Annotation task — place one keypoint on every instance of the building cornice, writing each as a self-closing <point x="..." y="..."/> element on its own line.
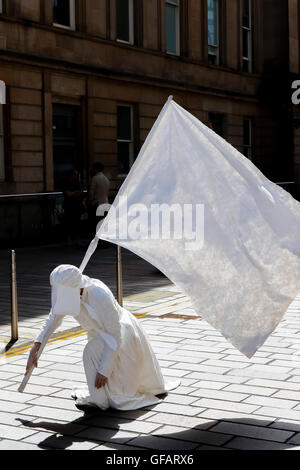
<point x="60" y="66"/>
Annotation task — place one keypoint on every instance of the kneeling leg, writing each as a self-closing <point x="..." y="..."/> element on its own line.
<point x="91" y="361"/>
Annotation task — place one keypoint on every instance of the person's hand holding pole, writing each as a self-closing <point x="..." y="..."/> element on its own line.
<point x="33" y="358"/>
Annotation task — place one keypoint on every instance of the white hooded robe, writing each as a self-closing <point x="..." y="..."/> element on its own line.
<point x="117" y="346"/>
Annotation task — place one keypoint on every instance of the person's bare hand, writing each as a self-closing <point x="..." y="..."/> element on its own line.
<point x="33" y="358"/>
<point x="100" y="381"/>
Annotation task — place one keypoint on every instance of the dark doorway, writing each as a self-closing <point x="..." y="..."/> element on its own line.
<point x="67" y="152"/>
<point x="217" y="123"/>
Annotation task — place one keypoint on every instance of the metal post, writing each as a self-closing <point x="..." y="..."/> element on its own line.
<point x="14" y="300"/>
<point x="119" y="275"/>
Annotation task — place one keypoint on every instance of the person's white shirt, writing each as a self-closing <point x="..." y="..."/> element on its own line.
<point x="98" y="193"/>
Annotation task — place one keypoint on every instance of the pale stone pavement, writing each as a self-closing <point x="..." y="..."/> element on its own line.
<point x="225" y="401"/>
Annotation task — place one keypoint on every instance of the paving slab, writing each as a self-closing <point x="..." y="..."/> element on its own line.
<point x="253" y="431"/>
<point x="6" y="444"/>
<point x="243" y="443"/>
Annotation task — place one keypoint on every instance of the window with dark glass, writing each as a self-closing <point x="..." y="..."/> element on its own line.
<point x="248" y="138"/>
<point x="64" y="13"/>
<point x="125" y="20"/>
<point x="2" y="167"/>
<point x="246" y="36"/>
<point x="125" y="139"/>
<point x="216" y="121"/>
<point x="172" y="27"/>
<point x="213" y="26"/>
<point x="66" y="143"/>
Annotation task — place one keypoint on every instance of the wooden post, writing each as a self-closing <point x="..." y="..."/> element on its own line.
<point x="14" y="299"/>
<point x="119" y="275"/>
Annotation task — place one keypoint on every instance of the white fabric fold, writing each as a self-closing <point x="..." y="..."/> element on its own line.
<point x="108" y="339"/>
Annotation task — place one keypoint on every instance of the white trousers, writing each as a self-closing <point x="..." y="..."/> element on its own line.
<point x="91" y="361"/>
<point x="126" y="389"/>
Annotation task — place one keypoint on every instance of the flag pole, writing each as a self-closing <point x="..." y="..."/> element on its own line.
<point x="14" y="299"/>
<point x="119" y="276"/>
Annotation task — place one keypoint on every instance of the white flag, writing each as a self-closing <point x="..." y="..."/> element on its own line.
<point x="229" y="238"/>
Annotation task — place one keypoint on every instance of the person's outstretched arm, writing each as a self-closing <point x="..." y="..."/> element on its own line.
<point x="50" y="325"/>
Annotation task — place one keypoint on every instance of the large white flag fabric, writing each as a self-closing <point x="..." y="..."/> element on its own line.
<point x="242" y="277"/>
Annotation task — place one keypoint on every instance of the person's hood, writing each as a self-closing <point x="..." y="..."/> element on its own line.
<point x="66" y="282"/>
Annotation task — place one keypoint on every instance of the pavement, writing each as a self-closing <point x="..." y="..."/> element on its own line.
<point x="225" y="401"/>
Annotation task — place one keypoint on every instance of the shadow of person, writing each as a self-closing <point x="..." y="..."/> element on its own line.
<point x="65" y="435"/>
<point x="65" y="429"/>
<point x="113" y="428"/>
<point x="61" y="442"/>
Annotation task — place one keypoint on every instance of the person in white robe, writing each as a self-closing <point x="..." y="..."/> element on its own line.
<point x="121" y="369"/>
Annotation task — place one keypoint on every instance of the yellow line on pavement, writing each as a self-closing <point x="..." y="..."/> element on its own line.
<point x="161" y="308"/>
<point x="141" y="316"/>
<point x="75" y="334"/>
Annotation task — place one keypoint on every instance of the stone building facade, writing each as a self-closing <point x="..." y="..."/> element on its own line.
<point x="86" y="79"/>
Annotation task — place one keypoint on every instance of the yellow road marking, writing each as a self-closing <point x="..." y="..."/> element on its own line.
<point x="161" y="308"/>
<point x="141" y="316"/>
<point x="50" y="340"/>
<point x="75" y="334"/>
<point x="14" y="352"/>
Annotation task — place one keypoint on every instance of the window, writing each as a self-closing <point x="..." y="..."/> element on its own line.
<point x="125" y="139"/>
<point x="213" y="26"/>
<point x="217" y="123"/>
<point x="248" y="138"/>
<point x="247" y="36"/>
<point x="172" y="27"/>
<point x="2" y="168"/>
<point x="125" y="21"/>
<point x="67" y="150"/>
<point x="64" y="13"/>
<point x="1" y="6"/>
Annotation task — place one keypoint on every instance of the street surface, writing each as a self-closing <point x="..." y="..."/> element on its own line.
<point x="225" y="401"/>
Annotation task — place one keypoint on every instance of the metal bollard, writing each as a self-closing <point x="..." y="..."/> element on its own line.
<point x="119" y="275"/>
<point x="14" y="299"/>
